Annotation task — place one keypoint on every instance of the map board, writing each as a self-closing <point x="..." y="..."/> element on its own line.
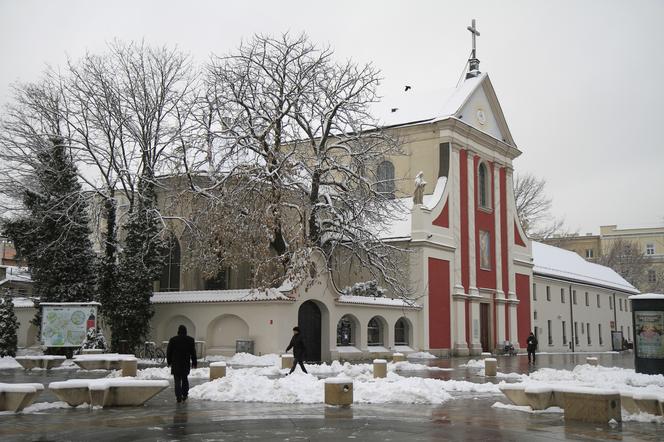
<point x="65" y="325"/>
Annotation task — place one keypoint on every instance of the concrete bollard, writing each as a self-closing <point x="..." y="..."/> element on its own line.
<point x="398" y="357"/>
<point x="339" y="391"/>
<point x="286" y="361"/>
<point x="129" y="367"/>
<point x="217" y="370"/>
<point x="591" y="361"/>
<point x="490" y="367"/>
<point x="485" y="355"/>
<point x="379" y="368"/>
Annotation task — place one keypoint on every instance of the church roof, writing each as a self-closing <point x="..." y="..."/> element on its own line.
<point x="563" y="264"/>
<point x="421" y="106"/>
<point x="201" y="296"/>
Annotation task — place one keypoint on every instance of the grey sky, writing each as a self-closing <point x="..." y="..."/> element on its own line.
<point x="579" y="81"/>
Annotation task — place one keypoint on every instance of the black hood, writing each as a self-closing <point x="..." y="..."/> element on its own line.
<point x="182" y="330"/>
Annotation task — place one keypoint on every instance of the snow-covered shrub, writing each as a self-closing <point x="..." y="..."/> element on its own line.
<point x="366" y="288"/>
<point x="8" y="326"/>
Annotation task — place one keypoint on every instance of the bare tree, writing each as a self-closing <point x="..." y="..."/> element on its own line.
<point x="289" y="136"/>
<point x="533" y="207"/>
<point x="626" y="258"/>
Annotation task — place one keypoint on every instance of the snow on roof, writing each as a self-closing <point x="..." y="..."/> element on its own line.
<point x="371" y="300"/>
<point x="23" y="302"/>
<point x="421" y="106"/>
<point x="560" y="263"/>
<point x="244" y="295"/>
<point x="401" y="226"/>
<point x="16" y="274"/>
<point x="648" y="296"/>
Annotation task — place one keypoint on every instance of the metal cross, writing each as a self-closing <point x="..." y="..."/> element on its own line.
<point x="473" y="30"/>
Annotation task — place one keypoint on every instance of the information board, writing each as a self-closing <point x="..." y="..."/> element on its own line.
<point x="66" y="325"/>
<point x="649" y="333"/>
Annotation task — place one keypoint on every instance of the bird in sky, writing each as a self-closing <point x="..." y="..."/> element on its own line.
<point x="407" y="88"/>
<point x="394" y="109"/>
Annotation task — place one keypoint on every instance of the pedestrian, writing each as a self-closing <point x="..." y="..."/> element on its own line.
<point x="180" y="351"/>
<point x="532" y="346"/>
<point x="297" y="344"/>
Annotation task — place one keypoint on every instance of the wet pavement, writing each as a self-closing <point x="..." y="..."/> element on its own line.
<point x="468" y="417"/>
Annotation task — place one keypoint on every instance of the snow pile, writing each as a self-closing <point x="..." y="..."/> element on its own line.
<point x="642" y="417"/>
<point x="8" y="362"/>
<point x="526" y="408"/>
<point x="248" y="359"/>
<point x="473" y="363"/>
<point x="421" y="355"/>
<point x="241" y="386"/>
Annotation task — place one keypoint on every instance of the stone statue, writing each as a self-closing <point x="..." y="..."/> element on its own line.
<point x="418" y="195"/>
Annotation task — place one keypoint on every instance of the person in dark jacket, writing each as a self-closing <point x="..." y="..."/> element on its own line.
<point x="297" y="344"/>
<point x="532" y="346"/>
<point x="180" y="351"/>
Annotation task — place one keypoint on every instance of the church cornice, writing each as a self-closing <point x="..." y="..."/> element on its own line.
<point x="462" y="132"/>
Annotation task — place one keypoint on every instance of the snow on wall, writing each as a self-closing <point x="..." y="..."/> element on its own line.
<point x="244" y="295"/>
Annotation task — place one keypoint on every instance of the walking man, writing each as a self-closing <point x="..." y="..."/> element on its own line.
<point x="532" y="346"/>
<point x="297" y="344"/>
<point x="181" y="350"/>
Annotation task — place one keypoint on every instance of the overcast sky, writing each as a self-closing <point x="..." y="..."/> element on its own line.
<point x="580" y="82"/>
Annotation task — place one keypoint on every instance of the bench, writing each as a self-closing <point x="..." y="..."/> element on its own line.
<point x="44" y="362"/>
<point x="591" y="405"/>
<point x="108" y="361"/>
<point x="515" y="393"/>
<point x="648" y="403"/>
<point x="15" y="397"/>
<point x="107" y="392"/>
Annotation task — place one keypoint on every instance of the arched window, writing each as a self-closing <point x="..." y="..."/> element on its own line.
<point x="385" y="176"/>
<point x="346" y="331"/>
<point x="401" y="332"/>
<point x="170" y="273"/>
<point x="375" y="332"/>
<point x="484" y="189"/>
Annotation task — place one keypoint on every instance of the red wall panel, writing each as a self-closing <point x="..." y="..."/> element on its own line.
<point x="523" y="309"/>
<point x="439" y="304"/>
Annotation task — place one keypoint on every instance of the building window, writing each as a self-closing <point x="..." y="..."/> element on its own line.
<point x="564" y="333"/>
<point x="599" y="333"/>
<point x="598" y="306"/>
<point x="576" y="333"/>
<point x="583" y="328"/>
<point x="650" y="249"/>
<point x="548" y="328"/>
<point x="534" y="315"/>
<point x="219" y="282"/>
<point x="169" y="281"/>
<point x="620" y="303"/>
<point x="588" y="333"/>
<point x="652" y="276"/>
<point x="589" y="253"/>
<point x="534" y="292"/>
<point x="574" y="297"/>
<point x="485" y="250"/>
<point x="484" y="191"/>
<point x="562" y="296"/>
<point x="629" y="334"/>
<point x="548" y="293"/>
<point x="385" y="183"/>
<point x="610" y="302"/>
<point x="401" y="332"/>
<point x="346" y="331"/>
<point x="444" y="163"/>
<point x="374" y="332"/>
<point x="587" y="300"/>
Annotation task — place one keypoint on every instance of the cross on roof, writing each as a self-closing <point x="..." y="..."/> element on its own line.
<point x="473" y="30"/>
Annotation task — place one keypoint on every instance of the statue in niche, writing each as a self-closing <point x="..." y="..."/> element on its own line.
<point x="418" y="194"/>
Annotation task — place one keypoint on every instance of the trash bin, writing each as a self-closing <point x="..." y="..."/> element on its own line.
<point x="244" y="346"/>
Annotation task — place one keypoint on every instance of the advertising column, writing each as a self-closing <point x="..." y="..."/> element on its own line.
<point x="648" y="322"/>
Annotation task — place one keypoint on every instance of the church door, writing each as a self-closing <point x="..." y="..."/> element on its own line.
<point x="309" y="321"/>
<point x="484" y="326"/>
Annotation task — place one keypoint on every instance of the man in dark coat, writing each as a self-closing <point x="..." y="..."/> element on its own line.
<point x="532" y="346"/>
<point x="181" y="349"/>
<point x="297" y="344"/>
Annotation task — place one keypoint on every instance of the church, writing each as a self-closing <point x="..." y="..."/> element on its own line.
<point x="479" y="281"/>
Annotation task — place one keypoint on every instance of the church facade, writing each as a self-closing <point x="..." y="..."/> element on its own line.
<point x="478" y="280"/>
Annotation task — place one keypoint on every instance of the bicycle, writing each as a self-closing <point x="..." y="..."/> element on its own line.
<point x="150" y="351"/>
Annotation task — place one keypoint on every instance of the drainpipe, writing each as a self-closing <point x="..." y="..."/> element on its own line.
<point x="615" y="313"/>
<point x="571" y="317"/>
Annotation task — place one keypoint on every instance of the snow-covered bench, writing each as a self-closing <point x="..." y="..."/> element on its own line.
<point x="108" y="361"/>
<point x="15" y="397"/>
<point x="516" y="393"/>
<point x="46" y="362"/>
<point x="107" y="392"/>
<point x="648" y="403"/>
<point x="591" y="404"/>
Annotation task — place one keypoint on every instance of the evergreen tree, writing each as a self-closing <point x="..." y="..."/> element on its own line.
<point x="8" y="326"/>
<point x="54" y="235"/>
<point x="140" y="265"/>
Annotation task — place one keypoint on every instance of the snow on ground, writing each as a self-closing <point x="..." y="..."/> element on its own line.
<point x="421" y="355"/>
<point x="245" y="386"/>
<point x="526" y="408"/>
<point x="8" y="362"/>
<point x="473" y="363"/>
<point x="642" y="417"/>
<point x="247" y="359"/>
